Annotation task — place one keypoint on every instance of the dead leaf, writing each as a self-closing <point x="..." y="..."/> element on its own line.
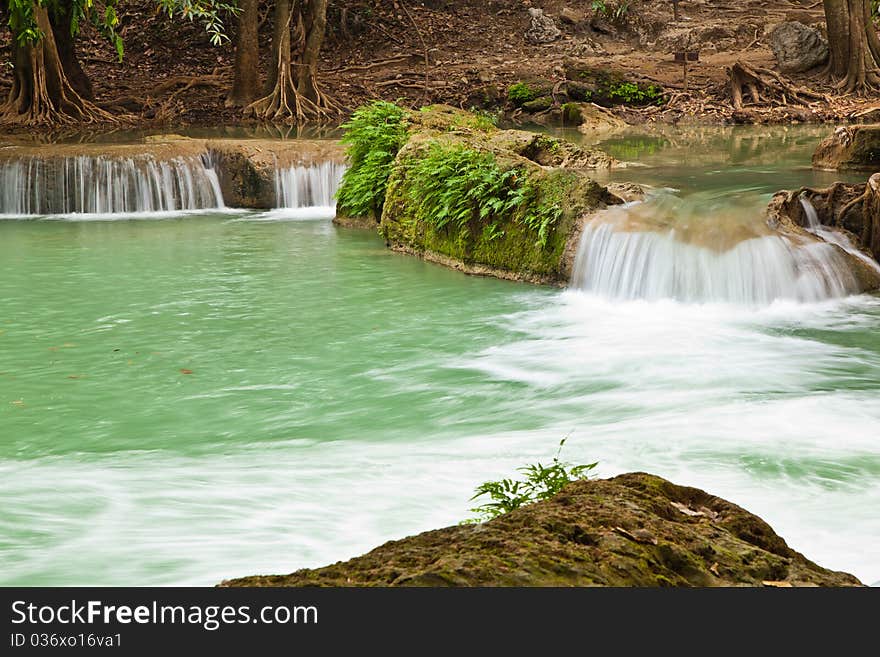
<point x="714" y="569"/>
<point x="183" y="370"/>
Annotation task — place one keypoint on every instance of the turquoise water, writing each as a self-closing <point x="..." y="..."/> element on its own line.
<point x="188" y="399"/>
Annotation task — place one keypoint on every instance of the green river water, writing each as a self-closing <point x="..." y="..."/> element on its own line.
<point x="190" y="398"/>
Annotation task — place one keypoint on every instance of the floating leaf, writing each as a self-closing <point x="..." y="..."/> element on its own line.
<point x="183" y="370"/>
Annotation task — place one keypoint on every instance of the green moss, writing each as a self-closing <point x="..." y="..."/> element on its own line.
<point x="521" y="93"/>
<point x="520" y="222"/>
<point x="538" y="105"/>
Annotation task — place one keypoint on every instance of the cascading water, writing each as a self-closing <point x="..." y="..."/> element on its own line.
<point x="833" y="236"/>
<point x="104" y="185"/>
<point x="312" y="186"/>
<point x="666" y="248"/>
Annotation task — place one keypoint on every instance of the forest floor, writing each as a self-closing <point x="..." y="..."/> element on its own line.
<point x="377" y="49"/>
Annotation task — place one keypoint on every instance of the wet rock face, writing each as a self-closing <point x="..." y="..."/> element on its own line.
<point x="632" y="530"/>
<point x="849" y="148"/>
<point x="798" y="47"/>
<point x="851" y="209"/>
<point x="542" y="28"/>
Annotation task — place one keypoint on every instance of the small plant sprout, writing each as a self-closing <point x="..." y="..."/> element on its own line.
<point x="540" y="482"/>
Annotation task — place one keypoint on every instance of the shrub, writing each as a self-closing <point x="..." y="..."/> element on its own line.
<point x="374" y="135"/>
<point x="540" y="483"/>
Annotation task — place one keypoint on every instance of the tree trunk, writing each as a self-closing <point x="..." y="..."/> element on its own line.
<point x="316" y="27"/>
<point x="246" y="81"/>
<point x="69" y="61"/>
<point x="280" y="40"/>
<point x="854" y="60"/>
<point x="292" y="94"/>
<point x="41" y="92"/>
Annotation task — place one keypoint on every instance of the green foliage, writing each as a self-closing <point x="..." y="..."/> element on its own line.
<point x="374" y="135"/>
<point x="540" y="482"/>
<point x="631" y="93"/>
<point x="520" y="93"/>
<point x="457" y="186"/>
<point x="209" y="12"/>
<point x="104" y="16"/>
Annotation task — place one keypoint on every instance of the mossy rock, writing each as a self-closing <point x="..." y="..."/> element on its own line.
<point x="500" y="246"/>
<point x="522" y="228"/>
<point x="633" y="530"/>
<point x="586" y="83"/>
<point x="538" y="105"/>
<point x="526" y="91"/>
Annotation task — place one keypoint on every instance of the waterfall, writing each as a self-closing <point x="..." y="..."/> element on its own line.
<point x="620" y="256"/>
<point x="811" y="214"/>
<point x="833" y="236"/>
<point x="103" y="185"/>
<point x="312" y="186"/>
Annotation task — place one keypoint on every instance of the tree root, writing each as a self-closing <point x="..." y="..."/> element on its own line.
<point x="765" y="86"/>
<point x="185" y="82"/>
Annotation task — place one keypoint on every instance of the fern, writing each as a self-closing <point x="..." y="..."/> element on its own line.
<point x="374" y="135"/>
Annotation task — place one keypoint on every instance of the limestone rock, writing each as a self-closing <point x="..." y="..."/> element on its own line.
<point x="542" y="28"/>
<point x="849" y="148"/>
<point x="798" y="47"/>
<point x="633" y="530"/>
<point x="851" y="209"/>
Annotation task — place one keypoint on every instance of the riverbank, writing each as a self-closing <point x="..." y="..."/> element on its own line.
<point x="476" y="51"/>
<point x="632" y="530"/>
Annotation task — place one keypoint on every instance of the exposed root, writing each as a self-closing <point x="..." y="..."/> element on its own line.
<point x="181" y="83"/>
<point x="765" y="86"/>
<point x="41" y="93"/>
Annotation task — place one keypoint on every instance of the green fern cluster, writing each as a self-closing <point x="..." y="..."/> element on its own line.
<point x="456" y="186"/>
<point x="374" y="135"/>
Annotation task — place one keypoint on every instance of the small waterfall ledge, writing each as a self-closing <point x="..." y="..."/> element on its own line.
<point x="169" y="175"/>
<point x="106" y="185"/>
<point x="621" y="256"/>
<point x="308" y="186"/>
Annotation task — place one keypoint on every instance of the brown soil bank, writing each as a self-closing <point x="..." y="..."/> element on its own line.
<point x="476" y="49"/>
<point x="633" y="530"/>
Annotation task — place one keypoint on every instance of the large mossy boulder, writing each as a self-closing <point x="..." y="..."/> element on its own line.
<point x="849" y="148"/>
<point x="633" y="530"/>
<point x="449" y="186"/>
